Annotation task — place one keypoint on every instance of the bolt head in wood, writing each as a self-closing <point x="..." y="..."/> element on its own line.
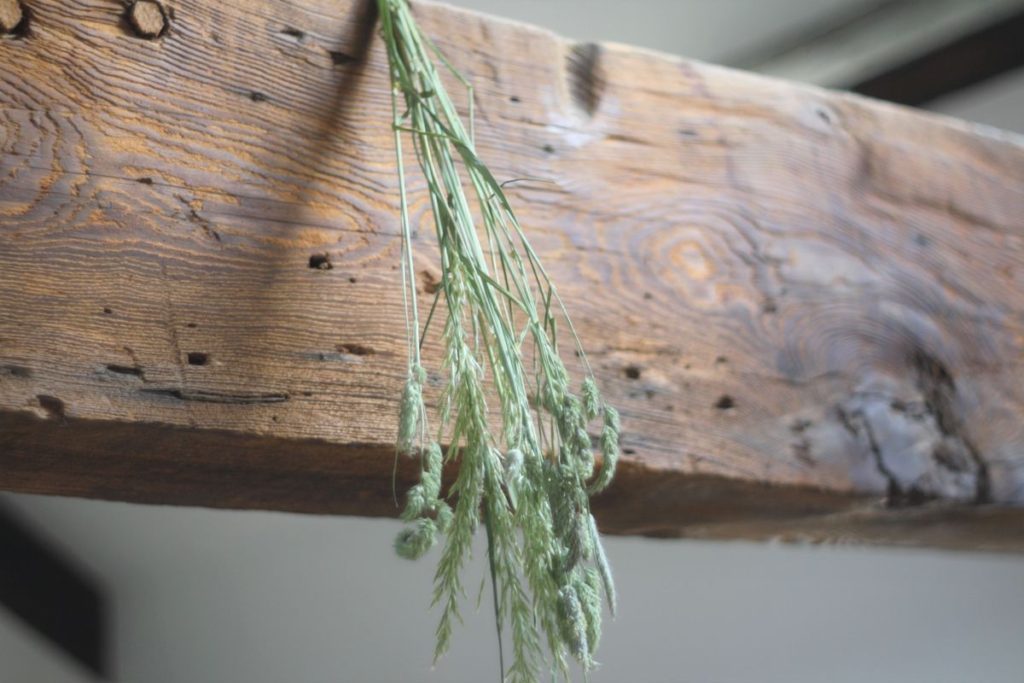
<point x="11" y="16"/>
<point x="147" y="19"/>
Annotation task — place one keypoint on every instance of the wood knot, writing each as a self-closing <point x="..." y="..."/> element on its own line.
<point x="13" y="17"/>
<point x="147" y="19"/>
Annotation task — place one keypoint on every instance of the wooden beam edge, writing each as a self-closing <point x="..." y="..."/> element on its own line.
<point x="161" y="464"/>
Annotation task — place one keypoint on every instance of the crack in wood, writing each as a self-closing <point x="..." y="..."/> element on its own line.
<point x="912" y="444"/>
<point x="218" y="396"/>
<point x="116" y="369"/>
<point x="939" y="392"/>
<point x="586" y="83"/>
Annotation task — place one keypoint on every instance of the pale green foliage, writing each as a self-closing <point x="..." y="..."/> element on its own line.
<point x="526" y="482"/>
<point x="610" y="449"/>
<point x="573" y="622"/>
<point x="588" y="588"/>
<point x="413" y="542"/>
<point x="591" y="398"/>
<point x="411" y="410"/>
<point x="603" y="568"/>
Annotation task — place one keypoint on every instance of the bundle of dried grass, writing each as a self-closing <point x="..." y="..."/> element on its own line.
<point x="529" y="481"/>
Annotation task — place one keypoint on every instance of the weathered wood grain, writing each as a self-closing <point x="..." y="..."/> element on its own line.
<point x="808" y="306"/>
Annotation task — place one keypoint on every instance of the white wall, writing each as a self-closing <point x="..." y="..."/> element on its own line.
<point x="25" y="657"/>
<point x="256" y="597"/>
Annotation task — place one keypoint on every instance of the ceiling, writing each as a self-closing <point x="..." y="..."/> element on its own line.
<point x="710" y="30"/>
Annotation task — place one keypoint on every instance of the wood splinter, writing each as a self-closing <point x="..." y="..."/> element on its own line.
<point x="147" y="19"/>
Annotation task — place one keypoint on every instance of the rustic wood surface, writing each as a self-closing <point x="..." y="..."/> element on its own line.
<point x="808" y="306"/>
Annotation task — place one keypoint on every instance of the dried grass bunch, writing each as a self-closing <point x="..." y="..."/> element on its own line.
<point x="528" y="481"/>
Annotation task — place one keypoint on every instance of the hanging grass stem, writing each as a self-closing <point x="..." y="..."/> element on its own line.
<point x="528" y="478"/>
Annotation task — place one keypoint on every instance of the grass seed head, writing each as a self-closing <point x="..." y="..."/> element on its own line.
<point x="414" y="541"/>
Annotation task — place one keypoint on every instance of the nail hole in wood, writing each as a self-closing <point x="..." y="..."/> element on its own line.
<point x="429" y="283"/>
<point x="339" y="58"/>
<point x="198" y="358"/>
<point x="321" y="262"/>
<point x="147" y="19"/>
<point x="355" y="349"/>
<point x="53" y="406"/>
<point x="17" y="371"/>
<point x="725" y="402"/>
<point x="631" y="372"/>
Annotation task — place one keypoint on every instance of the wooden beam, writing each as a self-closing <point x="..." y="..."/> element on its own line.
<point x="970" y="59"/>
<point x="867" y="39"/>
<point x="806" y="304"/>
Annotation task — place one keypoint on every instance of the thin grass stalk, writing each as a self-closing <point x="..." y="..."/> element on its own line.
<point x="529" y="479"/>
